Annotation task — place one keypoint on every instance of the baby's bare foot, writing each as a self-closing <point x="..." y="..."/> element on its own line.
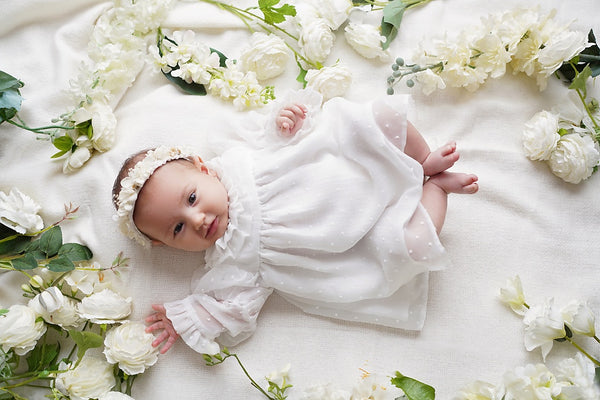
<point x="441" y="159"/>
<point x="452" y="182"/>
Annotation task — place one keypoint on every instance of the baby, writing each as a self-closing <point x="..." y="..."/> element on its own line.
<point x="342" y="220"/>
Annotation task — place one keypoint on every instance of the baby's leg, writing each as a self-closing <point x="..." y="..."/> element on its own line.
<point x="436" y="190"/>
<point x="433" y="162"/>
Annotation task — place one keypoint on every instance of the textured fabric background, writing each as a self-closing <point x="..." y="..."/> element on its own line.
<point x="523" y="220"/>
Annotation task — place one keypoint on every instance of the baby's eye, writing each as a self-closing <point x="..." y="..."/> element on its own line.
<point x="192" y="198"/>
<point x="178" y="228"/>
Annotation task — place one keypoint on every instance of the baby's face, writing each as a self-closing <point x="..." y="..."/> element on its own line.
<point x="183" y="205"/>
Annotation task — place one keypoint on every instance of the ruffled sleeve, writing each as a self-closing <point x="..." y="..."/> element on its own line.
<point x="225" y="306"/>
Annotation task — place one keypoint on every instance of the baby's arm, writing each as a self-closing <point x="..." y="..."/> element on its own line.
<point x="290" y="119"/>
<point x="159" y="320"/>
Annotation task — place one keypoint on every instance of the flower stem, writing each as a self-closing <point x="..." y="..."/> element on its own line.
<point x="41" y="129"/>
<point x="585" y="353"/>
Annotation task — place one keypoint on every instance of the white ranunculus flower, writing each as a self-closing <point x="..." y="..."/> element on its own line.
<point x="56" y="308"/>
<point x="19" y="212"/>
<point x="478" y="390"/>
<point x="316" y="39"/>
<point x="512" y="295"/>
<point x="532" y="382"/>
<point x="20" y="330"/>
<point x="579" y="372"/>
<point x="267" y="56"/>
<point x="366" y="40"/>
<point x="580" y="318"/>
<point x="115" y="396"/>
<point x="324" y="392"/>
<point x="540" y="135"/>
<point x="429" y="81"/>
<point x="574" y="158"/>
<point x="335" y="12"/>
<point x="130" y="346"/>
<point x="330" y="81"/>
<point x="105" y="307"/>
<point x="91" y="379"/>
<point x="543" y="324"/>
<point x="76" y="159"/>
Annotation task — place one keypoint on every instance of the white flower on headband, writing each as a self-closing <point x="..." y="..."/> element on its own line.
<point x="135" y="180"/>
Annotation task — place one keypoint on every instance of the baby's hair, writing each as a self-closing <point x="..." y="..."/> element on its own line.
<point x="128" y="164"/>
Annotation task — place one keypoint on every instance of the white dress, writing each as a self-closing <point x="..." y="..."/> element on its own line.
<point x="331" y="219"/>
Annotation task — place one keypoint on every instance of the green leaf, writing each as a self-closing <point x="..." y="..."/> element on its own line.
<point x="64" y="143"/>
<point x="195" y="89"/>
<point x="274" y="15"/>
<point x="51" y="241"/>
<point x="75" y="252"/>
<point x="42" y="357"/>
<point x="3" y="311"/>
<point x="61" y="264"/>
<point x="24" y="263"/>
<point x="390" y="23"/>
<point x="9" y="82"/>
<point x="10" y="103"/>
<point x="85" y="341"/>
<point x="14" y="246"/>
<point x="412" y="388"/>
<point x="222" y="57"/>
<point x="580" y="80"/>
<point x="597" y="376"/>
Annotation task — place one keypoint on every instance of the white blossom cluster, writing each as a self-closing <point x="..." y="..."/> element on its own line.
<point x="565" y="139"/>
<point x="70" y="301"/>
<point x="528" y="41"/>
<point x="571" y="379"/>
<point x="116" y="52"/>
<point x="19" y="212"/>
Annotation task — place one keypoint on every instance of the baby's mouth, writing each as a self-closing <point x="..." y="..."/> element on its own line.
<point x="212" y="228"/>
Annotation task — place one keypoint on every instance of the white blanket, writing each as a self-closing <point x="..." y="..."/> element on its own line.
<point x="523" y="221"/>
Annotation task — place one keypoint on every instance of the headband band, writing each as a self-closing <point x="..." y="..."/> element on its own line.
<point x="135" y="180"/>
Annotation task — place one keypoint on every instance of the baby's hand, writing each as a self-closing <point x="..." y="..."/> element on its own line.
<point x="159" y="320"/>
<point x="290" y="119"/>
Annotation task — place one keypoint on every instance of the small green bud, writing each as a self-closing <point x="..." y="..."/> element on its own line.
<point x="390" y="80"/>
<point x="390" y="90"/>
<point x="395" y="67"/>
<point x="410" y="83"/>
<point x="416" y="68"/>
<point x="26" y="288"/>
<point x="397" y="73"/>
<point x="36" y="281"/>
<point x="399" y="61"/>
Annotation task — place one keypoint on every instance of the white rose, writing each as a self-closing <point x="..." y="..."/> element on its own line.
<point x="579" y="372"/>
<point x="130" y="346"/>
<point x="479" y="390"/>
<point x="76" y="159"/>
<point x="543" y="324"/>
<point x="92" y="379"/>
<point x="20" y="330"/>
<point x="267" y="56"/>
<point x="105" y="307"/>
<point x="560" y="48"/>
<point x="580" y="318"/>
<point x="366" y="40"/>
<point x="19" y="212"/>
<point x="316" y="40"/>
<point x="55" y="308"/>
<point x="541" y="135"/>
<point x="330" y="81"/>
<point x="574" y="158"/>
<point x="115" y="396"/>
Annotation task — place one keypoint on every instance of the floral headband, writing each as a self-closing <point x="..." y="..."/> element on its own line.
<point x="135" y="180"/>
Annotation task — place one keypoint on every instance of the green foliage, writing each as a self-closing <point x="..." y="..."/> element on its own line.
<point x="412" y="388"/>
<point x="10" y="96"/>
<point x="275" y="15"/>
<point x="43" y="357"/>
<point x="390" y="23"/>
<point x="588" y="58"/>
<point x="85" y="340"/>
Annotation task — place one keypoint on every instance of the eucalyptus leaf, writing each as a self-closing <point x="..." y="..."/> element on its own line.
<point x="85" y="340"/>
<point x="390" y="23"/>
<point x="24" y="263"/>
<point x="412" y="388"/>
<point x="9" y="82"/>
<point x="51" y="241"/>
<point x="61" y="264"/>
<point x="75" y="252"/>
<point x="10" y="103"/>
<point x="14" y="246"/>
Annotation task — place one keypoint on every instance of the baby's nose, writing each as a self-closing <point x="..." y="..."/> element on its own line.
<point x="198" y="220"/>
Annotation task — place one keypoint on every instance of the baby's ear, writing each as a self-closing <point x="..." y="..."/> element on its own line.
<point x="198" y="163"/>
